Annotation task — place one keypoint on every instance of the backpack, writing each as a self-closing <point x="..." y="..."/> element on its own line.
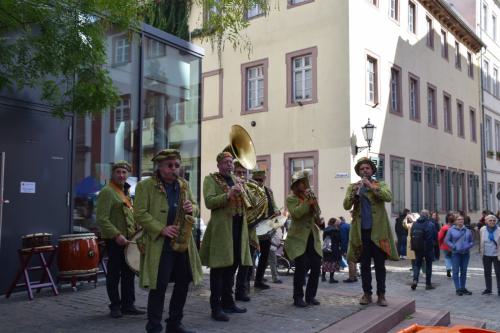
<point x="417" y="240"/>
<point x="327" y="244"/>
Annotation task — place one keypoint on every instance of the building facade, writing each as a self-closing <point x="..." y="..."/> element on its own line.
<point x="320" y="70"/>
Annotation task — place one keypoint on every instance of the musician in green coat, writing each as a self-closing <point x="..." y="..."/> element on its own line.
<point x="370" y="235"/>
<point x="303" y="242"/>
<point x="116" y="221"/>
<point x="164" y="207"/>
<point x="225" y="244"/>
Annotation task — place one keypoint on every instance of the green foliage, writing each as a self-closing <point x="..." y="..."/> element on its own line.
<point x="59" y="47"/>
<point x="169" y="15"/>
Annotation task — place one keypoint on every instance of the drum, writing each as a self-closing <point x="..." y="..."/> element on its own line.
<point x="133" y="254"/>
<point x="78" y="255"/>
<point x="266" y="227"/>
<point x="37" y="241"/>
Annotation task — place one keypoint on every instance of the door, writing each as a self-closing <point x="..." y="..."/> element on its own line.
<point x="35" y="165"/>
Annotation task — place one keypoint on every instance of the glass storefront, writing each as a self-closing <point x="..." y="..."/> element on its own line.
<point x="158" y="78"/>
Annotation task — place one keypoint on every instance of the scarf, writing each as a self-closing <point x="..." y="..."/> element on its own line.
<point x="491" y="232"/>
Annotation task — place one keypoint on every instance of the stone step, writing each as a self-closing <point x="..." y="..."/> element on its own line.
<point x="467" y="322"/>
<point x="424" y="317"/>
<point x="374" y="318"/>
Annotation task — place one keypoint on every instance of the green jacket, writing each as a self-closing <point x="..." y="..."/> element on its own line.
<point x="301" y="227"/>
<point x="217" y="245"/>
<point x="381" y="229"/>
<point x="112" y="215"/>
<point x="150" y="212"/>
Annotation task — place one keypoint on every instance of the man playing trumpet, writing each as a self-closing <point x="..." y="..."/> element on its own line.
<point x="303" y="243"/>
<point x="370" y="235"/>
<point x="225" y="244"/>
<point x="162" y="205"/>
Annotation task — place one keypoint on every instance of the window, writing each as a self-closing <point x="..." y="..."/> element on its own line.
<point x="486" y="75"/>
<point x="488" y="136"/>
<point x="497" y="135"/>
<point x="414" y="98"/>
<point x="121" y="54"/>
<point x="447" y="113"/>
<point x="495" y="82"/>
<point x="460" y="119"/>
<point x="155" y="48"/>
<point x="397" y="184"/>
<point x="429" y="188"/>
<point x="371" y="80"/>
<point x="452" y="190"/>
<point x="494" y="27"/>
<point x="254" y="11"/>
<point x="430" y="33"/>
<point x="461" y="191"/>
<point x="470" y="65"/>
<point x="395" y="91"/>
<point x="472" y="115"/>
<point x="293" y="3"/>
<point x="458" y="59"/>
<point x="416" y="187"/>
<point x="300" y="161"/>
<point x="412" y="17"/>
<point x="301" y="77"/>
<point x="491" y="196"/>
<point x="473" y="192"/>
<point x="380" y="164"/>
<point x="431" y="106"/>
<point x="120" y="114"/>
<point x="394" y="9"/>
<point x="444" y="44"/>
<point x="485" y="17"/>
<point x="254" y="86"/>
<point x="440" y="193"/>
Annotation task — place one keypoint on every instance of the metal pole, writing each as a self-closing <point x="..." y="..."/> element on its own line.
<point x="2" y="174"/>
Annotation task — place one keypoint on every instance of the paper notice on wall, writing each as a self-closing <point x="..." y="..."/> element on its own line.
<point x="28" y="187"/>
<point x="342" y="175"/>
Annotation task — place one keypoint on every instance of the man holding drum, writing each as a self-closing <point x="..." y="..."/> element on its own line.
<point x="163" y="204"/>
<point x="116" y="221"/>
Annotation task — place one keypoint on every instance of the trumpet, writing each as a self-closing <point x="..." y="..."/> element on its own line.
<point x="315" y="206"/>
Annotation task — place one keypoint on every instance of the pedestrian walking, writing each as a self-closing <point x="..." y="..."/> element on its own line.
<point x="489" y="238"/>
<point x="401" y="233"/>
<point x="276" y="244"/>
<point x="437" y="226"/>
<point x="344" y="244"/>
<point x="459" y="240"/>
<point x="332" y="254"/>
<point x="450" y="220"/>
<point x="423" y="238"/>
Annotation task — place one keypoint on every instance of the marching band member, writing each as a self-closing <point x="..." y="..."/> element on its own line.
<point x="116" y="221"/>
<point x="303" y="243"/>
<point x="162" y="205"/>
<point x="370" y="235"/>
<point x="225" y="244"/>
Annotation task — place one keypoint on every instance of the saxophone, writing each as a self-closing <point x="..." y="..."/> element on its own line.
<point x="183" y="220"/>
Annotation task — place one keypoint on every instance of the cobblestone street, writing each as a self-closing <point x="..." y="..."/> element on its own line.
<point x="269" y="311"/>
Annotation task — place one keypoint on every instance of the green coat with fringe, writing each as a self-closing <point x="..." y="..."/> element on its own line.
<point x="381" y="229"/>
<point x="301" y="227"/>
<point x="217" y="245"/>
<point x="150" y="212"/>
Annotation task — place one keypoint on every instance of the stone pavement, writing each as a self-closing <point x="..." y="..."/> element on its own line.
<point x="269" y="310"/>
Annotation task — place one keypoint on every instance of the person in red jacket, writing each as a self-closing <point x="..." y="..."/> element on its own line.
<point x="450" y="220"/>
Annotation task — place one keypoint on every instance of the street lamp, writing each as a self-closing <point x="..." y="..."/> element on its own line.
<point x="368" y="131"/>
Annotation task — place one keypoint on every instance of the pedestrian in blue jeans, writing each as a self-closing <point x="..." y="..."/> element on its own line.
<point x="459" y="240"/>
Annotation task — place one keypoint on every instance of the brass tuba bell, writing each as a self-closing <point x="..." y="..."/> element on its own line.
<point x="241" y="147"/>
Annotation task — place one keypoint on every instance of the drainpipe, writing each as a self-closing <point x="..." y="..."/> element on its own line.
<point x="484" y="173"/>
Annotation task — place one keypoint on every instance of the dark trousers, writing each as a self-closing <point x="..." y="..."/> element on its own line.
<point x="309" y="260"/>
<point x="419" y="257"/>
<point x="119" y="270"/>
<point x="402" y="240"/>
<point x="222" y="278"/>
<point x="174" y="266"/>
<point x="371" y="250"/>
<point x="264" y="245"/>
<point x="487" y="263"/>
<point x="244" y="276"/>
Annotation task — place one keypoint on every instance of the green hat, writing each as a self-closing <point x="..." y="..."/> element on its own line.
<point x="364" y="160"/>
<point x="258" y="173"/>
<point x="167" y="154"/>
<point x="300" y="175"/>
<point x="121" y="164"/>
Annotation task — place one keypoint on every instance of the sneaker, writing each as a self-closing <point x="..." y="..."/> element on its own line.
<point x="430" y="287"/>
<point x="466" y="292"/>
<point x="414" y="285"/>
<point x="486" y="292"/>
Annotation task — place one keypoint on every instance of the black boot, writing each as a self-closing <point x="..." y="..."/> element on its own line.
<point x="177" y="328"/>
<point x="219" y="315"/>
<point x="299" y="302"/>
<point x="323" y="277"/>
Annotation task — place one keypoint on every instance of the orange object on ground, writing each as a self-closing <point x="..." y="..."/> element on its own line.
<point x="441" y="329"/>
